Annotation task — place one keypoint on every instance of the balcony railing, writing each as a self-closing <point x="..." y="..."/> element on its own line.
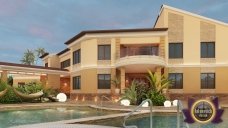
<point x="135" y="51"/>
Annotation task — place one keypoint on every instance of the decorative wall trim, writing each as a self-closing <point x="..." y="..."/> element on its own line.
<point x="207" y="91"/>
<point x="175" y="70"/>
<point x="207" y="60"/>
<point x="104" y="71"/>
<point x="175" y="61"/>
<point x="104" y="62"/>
<point x="103" y="41"/>
<point x="206" y="70"/>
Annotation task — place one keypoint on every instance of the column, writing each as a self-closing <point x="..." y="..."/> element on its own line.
<point x="122" y="79"/>
<point x="4" y="76"/>
<point x="113" y="76"/>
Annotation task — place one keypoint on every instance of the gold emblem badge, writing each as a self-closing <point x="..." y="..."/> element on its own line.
<point x="203" y="111"/>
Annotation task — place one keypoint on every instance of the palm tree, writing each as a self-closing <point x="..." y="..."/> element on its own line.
<point x="28" y="58"/>
<point x="116" y="82"/>
<point x="157" y="84"/>
<point x="39" y="52"/>
<point x="131" y="93"/>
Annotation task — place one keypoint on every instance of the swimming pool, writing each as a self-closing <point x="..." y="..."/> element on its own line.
<point x="22" y="117"/>
<point x="160" y="120"/>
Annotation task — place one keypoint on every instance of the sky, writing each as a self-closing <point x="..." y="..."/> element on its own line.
<point x="29" y="24"/>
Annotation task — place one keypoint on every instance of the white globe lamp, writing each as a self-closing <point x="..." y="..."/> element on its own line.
<point x="125" y="102"/>
<point x="167" y="103"/>
<point x="175" y="102"/>
<point x="61" y="97"/>
<point x="145" y="104"/>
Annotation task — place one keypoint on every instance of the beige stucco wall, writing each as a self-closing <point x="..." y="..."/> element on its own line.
<point x="221" y="44"/>
<point x="53" y="81"/>
<point x="191" y="40"/>
<point x="89" y="80"/>
<point x="64" y="57"/>
<point x="53" y="61"/>
<point x="221" y="81"/>
<point x="192" y="36"/>
<point x="191" y="80"/>
<point x="89" y="53"/>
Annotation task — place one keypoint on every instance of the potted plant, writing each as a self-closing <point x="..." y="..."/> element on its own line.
<point x="116" y="83"/>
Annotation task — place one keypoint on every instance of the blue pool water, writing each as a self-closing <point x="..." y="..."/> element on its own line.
<point x="161" y="120"/>
<point x="22" y="117"/>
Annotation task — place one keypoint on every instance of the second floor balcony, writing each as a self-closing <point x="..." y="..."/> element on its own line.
<point x="140" y="56"/>
<point x="137" y="51"/>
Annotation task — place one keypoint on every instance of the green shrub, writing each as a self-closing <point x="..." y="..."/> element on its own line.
<point x="50" y="92"/>
<point x="10" y="96"/>
<point x="29" y="88"/>
<point x="157" y="99"/>
<point x="141" y="89"/>
<point x="131" y="93"/>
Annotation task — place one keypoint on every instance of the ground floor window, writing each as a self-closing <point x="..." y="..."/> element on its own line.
<point x="177" y="80"/>
<point x="76" y="82"/>
<point x="104" y="81"/>
<point x="207" y="80"/>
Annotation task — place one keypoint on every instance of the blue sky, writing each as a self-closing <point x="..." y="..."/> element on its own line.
<point x="28" y="24"/>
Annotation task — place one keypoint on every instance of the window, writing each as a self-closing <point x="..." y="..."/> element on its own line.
<point x="207" y="80"/>
<point x="104" y="81"/>
<point x="175" y="50"/>
<point x="177" y="79"/>
<point x="76" y="82"/>
<point x="65" y="64"/>
<point x="46" y="65"/>
<point x="104" y="52"/>
<point x="207" y="49"/>
<point x="77" y="56"/>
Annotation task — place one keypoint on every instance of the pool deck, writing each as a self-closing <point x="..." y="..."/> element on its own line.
<point x="78" y="122"/>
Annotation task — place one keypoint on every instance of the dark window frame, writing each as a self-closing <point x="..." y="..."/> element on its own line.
<point x="207" y="54"/>
<point x="102" y="55"/>
<point x="46" y="65"/>
<point x="205" y="83"/>
<point x="65" y="64"/>
<point x="77" y="56"/>
<point x="175" y="82"/>
<point x="105" y="84"/>
<point x="76" y="82"/>
<point x="174" y="54"/>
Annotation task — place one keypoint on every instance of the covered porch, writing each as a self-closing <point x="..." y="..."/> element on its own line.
<point x="54" y="78"/>
<point x="137" y="73"/>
